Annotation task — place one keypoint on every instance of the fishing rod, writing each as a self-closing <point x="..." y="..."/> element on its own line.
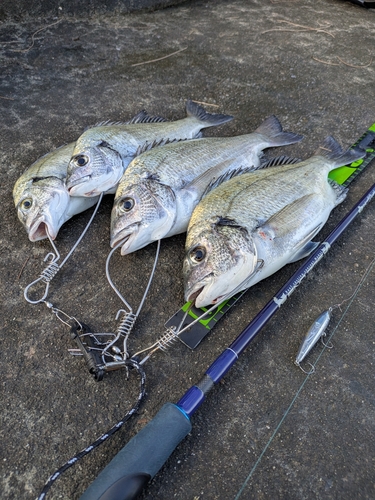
<point x="143" y="456"/>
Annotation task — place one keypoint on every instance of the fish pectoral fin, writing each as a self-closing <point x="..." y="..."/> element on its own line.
<point x="306" y="246"/>
<point x="305" y="251"/>
<point x="288" y="219"/>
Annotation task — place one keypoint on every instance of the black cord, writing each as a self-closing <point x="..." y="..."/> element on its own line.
<point x="133" y="364"/>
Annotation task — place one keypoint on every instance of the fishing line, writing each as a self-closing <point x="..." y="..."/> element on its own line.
<point x="54" y="267"/>
<point x="104" y="437"/>
<point x="351" y="300"/>
<point x="78" y="331"/>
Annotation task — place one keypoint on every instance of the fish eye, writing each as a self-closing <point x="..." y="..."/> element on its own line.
<point x="198" y="254"/>
<point x="127" y="204"/>
<point x="81" y="160"/>
<point x="27" y="203"/>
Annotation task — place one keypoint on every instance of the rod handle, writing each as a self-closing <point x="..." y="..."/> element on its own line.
<point x="141" y="458"/>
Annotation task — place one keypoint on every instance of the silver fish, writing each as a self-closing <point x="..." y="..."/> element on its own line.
<point x="101" y="154"/>
<point x="160" y="188"/>
<point x="41" y="198"/>
<point x="251" y="226"/>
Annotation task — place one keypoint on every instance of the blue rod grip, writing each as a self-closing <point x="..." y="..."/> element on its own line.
<point x="138" y="462"/>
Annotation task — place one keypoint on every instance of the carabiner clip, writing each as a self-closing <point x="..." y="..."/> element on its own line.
<point x="45" y="277"/>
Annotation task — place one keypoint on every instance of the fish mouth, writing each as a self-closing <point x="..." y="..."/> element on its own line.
<point x="74" y="186"/>
<point x="93" y="185"/>
<point x="124" y="237"/>
<point x="194" y="292"/>
<point x="40" y="230"/>
<point x="194" y="295"/>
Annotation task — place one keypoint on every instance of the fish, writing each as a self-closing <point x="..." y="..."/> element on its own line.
<point x="102" y="153"/>
<point x="40" y="195"/>
<point x="252" y="225"/>
<point x="160" y="188"/>
<point x="41" y="198"/>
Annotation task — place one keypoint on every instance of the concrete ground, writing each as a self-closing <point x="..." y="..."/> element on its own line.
<point x="267" y="431"/>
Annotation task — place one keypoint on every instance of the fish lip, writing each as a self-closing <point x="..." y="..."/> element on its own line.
<point x="194" y="295"/>
<point x="72" y="183"/>
<point x="196" y="289"/>
<point x="123" y="236"/>
<point x="40" y="230"/>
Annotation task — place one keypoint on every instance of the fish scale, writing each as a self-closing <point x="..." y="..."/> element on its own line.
<point x="188" y="157"/>
<point x="177" y="176"/>
<point x="279" y="210"/>
<point x="41" y="198"/>
<point x="236" y="193"/>
<point x="102" y="154"/>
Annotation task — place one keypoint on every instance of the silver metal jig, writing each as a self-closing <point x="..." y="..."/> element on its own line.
<point x="54" y="267"/>
<point x="318" y="329"/>
<point x="315" y="332"/>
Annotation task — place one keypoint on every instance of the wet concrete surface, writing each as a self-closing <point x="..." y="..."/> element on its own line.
<point x="268" y="430"/>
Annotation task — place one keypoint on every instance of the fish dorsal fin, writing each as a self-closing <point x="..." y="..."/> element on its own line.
<point x="279" y="161"/>
<point x="331" y="150"/>
<point x="144" y="117"/>
<point x="141" y="117"/>
<point x="147" y="146"/>
<point x="105" y="123"/>
<point x="215" y="182"/>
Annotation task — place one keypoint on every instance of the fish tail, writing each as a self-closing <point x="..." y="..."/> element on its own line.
<point x="207" y="119"/>
<point x="331" y="150"/>
<point x="272" y="129"/>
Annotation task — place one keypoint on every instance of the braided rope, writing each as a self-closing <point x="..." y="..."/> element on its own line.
<point x="103" y="437"/>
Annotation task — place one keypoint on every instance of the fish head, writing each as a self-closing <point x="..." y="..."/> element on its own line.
<point x="143" y="212"/>
<point x="41" y="207"/>
<point x="93" y="170"/>
<point x="219" y="257"/>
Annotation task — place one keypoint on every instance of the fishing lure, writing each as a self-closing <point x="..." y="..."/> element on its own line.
<point x="173" y="429"/>
<point x="316" y="331"/>
<point x="318" y="328"/>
